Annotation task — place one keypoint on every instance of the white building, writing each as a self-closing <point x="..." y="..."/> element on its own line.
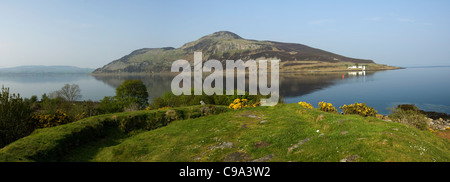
<point x="363" y="67"/>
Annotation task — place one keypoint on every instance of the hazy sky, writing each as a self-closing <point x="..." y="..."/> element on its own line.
<point x="92" y="33"/>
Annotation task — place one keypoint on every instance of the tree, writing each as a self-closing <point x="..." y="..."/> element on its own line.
<point x="132" y="91"/>
<point x="14" y="117"/>
<point x="68" y="92"/>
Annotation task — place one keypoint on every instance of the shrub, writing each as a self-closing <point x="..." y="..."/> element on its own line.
<point x="359" y="108"/>
<point x="50" y="120"/>
<point x="14" y="117"/>
<point x="327" y="107"/>
<point x="109" y="105"/>
<point x="241" y="103"/>
<point x="132" y="91"/>
<point x="306" y="105"/>
<point x="410" y="116"/>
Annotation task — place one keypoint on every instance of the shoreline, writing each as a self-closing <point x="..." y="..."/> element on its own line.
<point x="286" y="71"/>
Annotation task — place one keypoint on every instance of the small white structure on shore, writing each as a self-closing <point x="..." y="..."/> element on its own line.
<point x="363" y="67"/>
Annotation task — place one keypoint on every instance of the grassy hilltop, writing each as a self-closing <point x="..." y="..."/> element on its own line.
<point x="286" y="132"/>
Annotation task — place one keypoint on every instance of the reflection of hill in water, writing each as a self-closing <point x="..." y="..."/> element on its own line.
<point x="291" y="84"/>
<point x="297" y="84"/>
<point x="156" y="84"/>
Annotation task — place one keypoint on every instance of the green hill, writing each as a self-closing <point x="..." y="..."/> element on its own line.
<point x="286" y="132"/>
<point x="226" y="45"/>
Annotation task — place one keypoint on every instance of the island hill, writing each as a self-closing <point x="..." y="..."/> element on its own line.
<point x="226" y="45"/>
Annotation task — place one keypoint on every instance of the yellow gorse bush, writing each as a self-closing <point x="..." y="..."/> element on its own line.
<point x="241" y="103"/>
<point x="360" y="109"/>
<point x="50" y="120"/>
<point x="327" y="107"/>
<point x="306" y="105"/>
<point x="162" y="108"/>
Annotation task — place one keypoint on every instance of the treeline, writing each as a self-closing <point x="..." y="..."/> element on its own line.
<point x="19" y="116"/>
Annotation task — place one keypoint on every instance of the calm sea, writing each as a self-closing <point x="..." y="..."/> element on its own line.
<point x="426" y="87"/>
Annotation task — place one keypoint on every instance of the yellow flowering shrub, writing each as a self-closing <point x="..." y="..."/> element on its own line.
<point x="162" y="108"/>
<point x="306" y="105"/>
<point x="50" y="120"/>
<point x="241" y="103"/>
<point x="80" y="116"/>
<point x="327" y="107"/>
<point x="359" y="108"/>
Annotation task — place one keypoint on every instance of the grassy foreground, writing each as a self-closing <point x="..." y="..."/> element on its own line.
<point x="286" y="132"/>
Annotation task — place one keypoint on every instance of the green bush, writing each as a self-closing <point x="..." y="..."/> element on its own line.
<point x="14" y="117"/>
<point x="410" y="116"/>
<point x="110" y="105"/>
<point x="132" y="91"/>
<point x="359" y="108"/>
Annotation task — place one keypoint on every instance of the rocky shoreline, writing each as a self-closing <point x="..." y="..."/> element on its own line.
<point x="435" y="120"/>
<point x="438" y="124"/>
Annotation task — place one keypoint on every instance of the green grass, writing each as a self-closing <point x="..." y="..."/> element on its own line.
<point x="199" y="139"/>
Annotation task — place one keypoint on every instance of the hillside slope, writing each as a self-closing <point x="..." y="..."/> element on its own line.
<point x="286" y="132"/>
<point x="224" y="46"/>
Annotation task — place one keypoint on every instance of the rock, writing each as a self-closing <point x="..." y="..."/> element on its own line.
<point x="438" y="124"/>
<point x="265" y="158"/>
<point x="379" y="116"/>
<point x="319" y="118"/>
<point x="395" y="129"/>
<point x="222" y="145"/>
<point x="263" y="121"/>
<point x="344" y="132"/>
<point x="250" y="116"/>
<point x="205" y="110"/>
<point x="301" y="142"/>
<point x="237" y="157"/>
<point x="202" y="103"/>
<point x="261" y="144"/>
<point x="350" y="158"/>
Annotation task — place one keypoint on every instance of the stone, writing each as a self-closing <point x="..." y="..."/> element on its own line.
<point x="237" y="157"/>
<point x="263" y="121"/>
<point x="350" y="158"/>
<point x="301" y="142"/>
<point x="222" y="145"/>
<point x="252" y="116"/>
<point x="265" y="158"/>
<point x="202" y="103"/>
<point x="261" y="144"/>
<point x="319" y="118"/>
<point x="344" y="132"/>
